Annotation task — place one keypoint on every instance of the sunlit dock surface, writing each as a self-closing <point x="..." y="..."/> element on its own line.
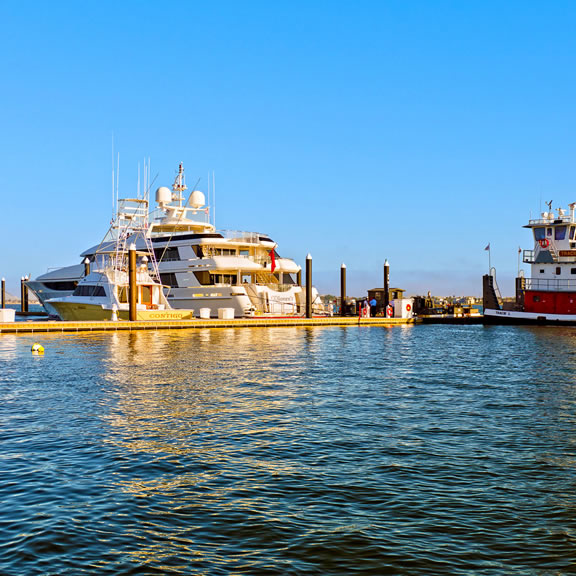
<point x="60" y="326"/>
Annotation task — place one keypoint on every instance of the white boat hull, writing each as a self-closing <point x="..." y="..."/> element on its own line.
<point x="518" y="317"/>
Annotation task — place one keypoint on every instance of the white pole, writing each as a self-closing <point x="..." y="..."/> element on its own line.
<point x="113" y="211"/>
<point x="117" y="180"/>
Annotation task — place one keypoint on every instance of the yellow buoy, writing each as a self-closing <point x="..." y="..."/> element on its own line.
<point x="37" y="348"/>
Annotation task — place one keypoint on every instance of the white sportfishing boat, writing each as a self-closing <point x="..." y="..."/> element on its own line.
<point x="103" y="292"/>
<point x="201" y="267"/>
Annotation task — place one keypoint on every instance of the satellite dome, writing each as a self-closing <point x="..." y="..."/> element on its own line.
<point x="163" y="195"/>
<point x="197" y="199"/>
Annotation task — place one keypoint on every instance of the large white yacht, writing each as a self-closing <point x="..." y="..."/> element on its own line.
<point x="201" y="266"/>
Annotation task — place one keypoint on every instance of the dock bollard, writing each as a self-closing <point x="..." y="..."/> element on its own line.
<point x="3" y="292"/>
<point x="343" y="289"/>
<point x="308" y="286"/>
<point x="132" y="286"/>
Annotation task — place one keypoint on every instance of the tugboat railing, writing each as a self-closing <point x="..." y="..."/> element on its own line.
<point x="551" y="284"/>
<point x="495" y="284"/>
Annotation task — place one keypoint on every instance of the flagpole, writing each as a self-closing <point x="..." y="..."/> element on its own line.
<point x="489" y="262"/>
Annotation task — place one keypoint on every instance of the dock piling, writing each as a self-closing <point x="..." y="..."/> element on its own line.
<point x="23" y="294"/>
<point x="3" y="292"/>
<point x="308" y="286"/>
<point x="343" y="289"/>
<point x="86" y="266"/>
<point x="132" y="286"/>
<point x="386" y="285"/>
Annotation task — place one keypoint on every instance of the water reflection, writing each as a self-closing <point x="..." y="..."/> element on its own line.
<point x="293" y="450"/>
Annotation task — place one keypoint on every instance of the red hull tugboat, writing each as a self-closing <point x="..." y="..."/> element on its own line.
<point x="549" y="295"/>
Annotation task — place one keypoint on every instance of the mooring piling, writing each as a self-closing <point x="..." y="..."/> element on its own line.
<point x="308" y="286"/>
<point x="132" y="286"/>
<point x="343" y="289"/>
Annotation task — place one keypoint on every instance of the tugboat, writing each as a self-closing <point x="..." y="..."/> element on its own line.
<point x="549" y="295"/>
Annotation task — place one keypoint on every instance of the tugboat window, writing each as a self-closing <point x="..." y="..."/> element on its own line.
<point x="548" y="231"/>
<point x="558" y="271"/>
<point x="539" y="233"/>
<point x="560" y="232"/>
<point x="536" y="298"/>
<point x="572" y="270"/>
<point x="572" y="230"/>
<point x="541" y="271"/>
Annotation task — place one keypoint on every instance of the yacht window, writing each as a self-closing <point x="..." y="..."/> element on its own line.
<point x="198" y="250"/>
<point x="166" y="254"/>
<point x="203" y="277"/>
<point x="224" y="252"/>
<point x="245" y="253"/>
<point x="539" y="233"/>
<point x="224" y="279"/>
<point x="559" y="232"/>
<point x="246" y="278"/>
<point x="169" y="279"/>
<point x="288" y="278"/>
<point x="87" y="290"/>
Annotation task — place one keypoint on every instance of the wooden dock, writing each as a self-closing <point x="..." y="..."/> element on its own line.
<point x="61" y="326"/>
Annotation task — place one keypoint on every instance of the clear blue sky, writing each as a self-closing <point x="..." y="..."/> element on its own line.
<point x="416" y="131"/>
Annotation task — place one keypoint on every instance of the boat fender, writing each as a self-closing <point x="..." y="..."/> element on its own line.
<point x="544" y="243"/>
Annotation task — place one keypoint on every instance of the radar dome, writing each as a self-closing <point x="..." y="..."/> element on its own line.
<point x="197" y="199"/>
<point x="163" y="195"/>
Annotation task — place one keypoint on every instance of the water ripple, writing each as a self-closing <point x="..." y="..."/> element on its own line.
<point x="405" y="450"/>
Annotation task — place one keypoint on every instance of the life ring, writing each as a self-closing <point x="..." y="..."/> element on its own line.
<point x="544" y="243"/>
<point x="389" y="311"/>
<point x="408" y="307"/>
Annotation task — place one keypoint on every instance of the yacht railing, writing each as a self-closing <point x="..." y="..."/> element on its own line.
<point x="241" y="236"/>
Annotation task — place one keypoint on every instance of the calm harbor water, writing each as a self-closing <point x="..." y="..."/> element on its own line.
<point x="402" y="450"/>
